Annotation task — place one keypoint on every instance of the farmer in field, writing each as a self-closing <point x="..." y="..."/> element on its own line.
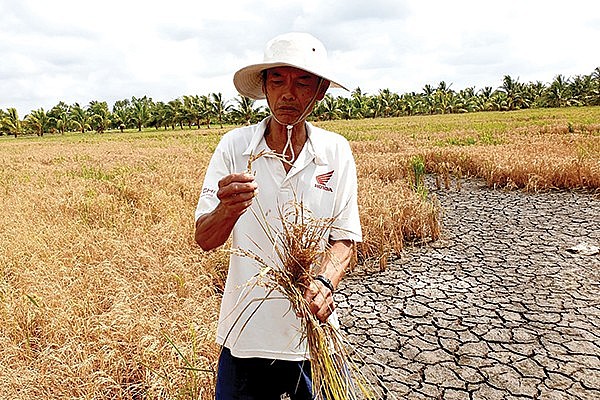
<point x="264" y="355"/>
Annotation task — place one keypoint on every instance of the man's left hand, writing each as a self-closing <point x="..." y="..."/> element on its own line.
<point x="320" y="300"/>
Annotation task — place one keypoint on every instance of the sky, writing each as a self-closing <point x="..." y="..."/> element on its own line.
<point x="109" y="50"/>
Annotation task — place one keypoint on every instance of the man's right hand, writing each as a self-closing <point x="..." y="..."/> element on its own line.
<point x="235" y="194"/>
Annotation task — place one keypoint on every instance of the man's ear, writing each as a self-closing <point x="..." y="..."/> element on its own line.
<point x="323" y="90"/>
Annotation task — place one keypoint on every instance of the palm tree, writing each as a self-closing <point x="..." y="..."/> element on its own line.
<point x="79" y="118"/>
<point x="191" y="110"/>
<point x="581" y="89"/>
<point x="514" y="93"/>
<point x="498" y="101"/>
<point x="428" y="99"/>
<point x="161" y="115"/>
<point x="3" y="117"/>
<point x="484" y="95"/>
<point x="206" y="110"/>
<point x="455" y="103"/>
<point x="99" y="115"/>
<point x="140" y="111"/>
<point x="409" y="103"/>
<point x="469" y="99"/>
<point x="595" y="100"/>
<point x="327" y="109"/>
<point x="444" y="87"/>
<point x="557" y="95"/>
<point x="345" y="107"/>
<point x="38" y="121"/>
<point x="11" y="122"/>
<point x="176" y="110"/>
<point x="244" y="111"/>
<point x="533" y="93"/>
<point x="59" y="117"/>
<point x="120" y="114"/>
<point x="359" y="105"/>
<point x="385" y="102"/>
<point x="219" y="107"/>
<point x="440" y="101"/>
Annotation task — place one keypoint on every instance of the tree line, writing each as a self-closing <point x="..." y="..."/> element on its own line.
<point x="208" y="110"/>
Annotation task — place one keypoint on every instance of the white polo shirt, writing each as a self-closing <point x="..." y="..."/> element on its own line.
<point x="323" y="178"/>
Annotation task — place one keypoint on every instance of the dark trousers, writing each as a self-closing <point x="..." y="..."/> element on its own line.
<point x="262" y="379"/>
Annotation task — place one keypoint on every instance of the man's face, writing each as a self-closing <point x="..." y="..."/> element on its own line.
<point x="290" y="90"/>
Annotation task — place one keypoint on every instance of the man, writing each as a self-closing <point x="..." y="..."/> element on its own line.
<point x="263" y="355"/>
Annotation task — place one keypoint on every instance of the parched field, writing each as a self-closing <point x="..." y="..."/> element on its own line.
<point x="103" y="293"/>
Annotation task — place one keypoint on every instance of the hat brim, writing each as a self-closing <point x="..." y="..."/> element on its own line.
<point x="248" y="80"/>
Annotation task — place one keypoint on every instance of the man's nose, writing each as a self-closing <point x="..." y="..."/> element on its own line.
<point x="289" y="93"/>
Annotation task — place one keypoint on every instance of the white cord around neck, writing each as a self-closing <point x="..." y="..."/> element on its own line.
<point x="289" y="143"/>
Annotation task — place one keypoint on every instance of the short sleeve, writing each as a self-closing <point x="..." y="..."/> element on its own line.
<point x="220" y="166"/>
<point x="347" y="221"/>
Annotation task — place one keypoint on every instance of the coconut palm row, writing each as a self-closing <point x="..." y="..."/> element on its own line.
<point x="197" y="111"/>
<point x="511" y="95"/>
<point x="137" y="113"/>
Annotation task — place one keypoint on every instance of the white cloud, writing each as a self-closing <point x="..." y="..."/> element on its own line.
<point x="81" y="51"/>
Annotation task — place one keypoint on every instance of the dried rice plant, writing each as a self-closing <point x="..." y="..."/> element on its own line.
<point x="299" y="250"/>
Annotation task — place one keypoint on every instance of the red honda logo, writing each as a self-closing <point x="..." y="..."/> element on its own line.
<point x="324" y="178"/>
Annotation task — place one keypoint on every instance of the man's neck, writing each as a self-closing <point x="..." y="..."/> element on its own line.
<point x="276" y="137"/>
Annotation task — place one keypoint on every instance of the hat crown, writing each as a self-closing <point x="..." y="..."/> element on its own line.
<point x="299" y="49"/>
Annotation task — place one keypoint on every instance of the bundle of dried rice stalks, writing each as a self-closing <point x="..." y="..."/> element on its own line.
<point x="299" y="248"/>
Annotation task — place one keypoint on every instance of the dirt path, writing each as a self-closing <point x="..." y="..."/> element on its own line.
<point x="497" y="309"/>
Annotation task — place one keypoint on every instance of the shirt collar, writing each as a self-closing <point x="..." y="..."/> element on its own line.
<point x="311" y="147"/>
<point x="257" y="137"/>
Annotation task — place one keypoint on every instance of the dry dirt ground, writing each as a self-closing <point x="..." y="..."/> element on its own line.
<point x="499" y="308"/>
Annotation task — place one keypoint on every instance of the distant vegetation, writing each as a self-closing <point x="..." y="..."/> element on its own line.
<point x="207" y="110"/>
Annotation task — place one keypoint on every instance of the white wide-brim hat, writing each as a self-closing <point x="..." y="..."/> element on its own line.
<point x="298" y="50"/>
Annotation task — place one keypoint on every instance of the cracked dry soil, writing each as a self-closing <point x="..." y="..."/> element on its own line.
<point x="496" y="309"/>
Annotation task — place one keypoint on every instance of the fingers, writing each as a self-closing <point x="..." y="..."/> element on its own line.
<point x="236" y="192"/>
<point x="320" y="300"/>
<point x="236" y="184"/>
<point x="233" y="178"/>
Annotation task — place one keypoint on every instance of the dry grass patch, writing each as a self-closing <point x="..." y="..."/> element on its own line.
<point x="392" y="211"/>
<point x="98" y="269"/>
<point x="541" y="149"/>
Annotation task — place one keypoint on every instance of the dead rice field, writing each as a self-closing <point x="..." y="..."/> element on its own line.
<point x="103" y="293"/>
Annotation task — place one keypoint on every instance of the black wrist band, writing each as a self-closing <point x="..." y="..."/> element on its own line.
<point x="325" y="282"/>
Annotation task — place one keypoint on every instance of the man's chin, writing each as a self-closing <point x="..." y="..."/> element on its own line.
<point x="287" y="118"/>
